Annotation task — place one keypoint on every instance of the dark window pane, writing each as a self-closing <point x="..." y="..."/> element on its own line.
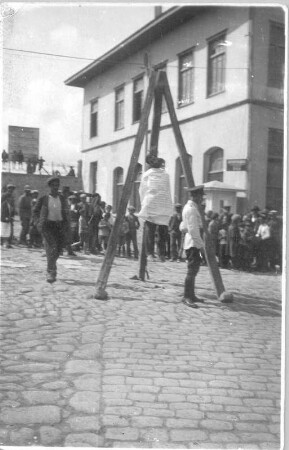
<point x="276" y="62"/>
<point x="216" y="66"/>
<point x="186" y="78"/>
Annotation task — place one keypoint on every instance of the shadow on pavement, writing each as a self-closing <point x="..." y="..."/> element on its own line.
<point x="251" y="305"/>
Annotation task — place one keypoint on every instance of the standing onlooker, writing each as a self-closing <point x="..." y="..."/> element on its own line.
<point x="156" y="204"/>
<point x="108" y="210"/>
<point x="6" y="218"/>
<point x="223" y="245"/>
<point x="20" y="158"/>
<point x="5" y="157"/>
<point x="246" y="245"/>
<point x="71" y="172"/>
<point x="51" y="215"/>
<point x="40" y="161"/>
<point x="25" y="214"/>
<point x="73" y="218"/>
<point x="275" y="226"/>
<point x="10" y="189"/>
<point x="175" y="233"/>
<point x="104" y="229"/>
<point x="131" y="236"/>
<point x="34" y="234"/>
<point x="122" y="237"/>
<point x="95" y="217"/>
<point x="213" y="229"/>
<point x="234" y="238"/>
<point x="14" y="159"/>
<point x="34" y="194"/>
<point x="193" y="242"/>
<point x="263" y="251"/>
<point x="83" y="209"/>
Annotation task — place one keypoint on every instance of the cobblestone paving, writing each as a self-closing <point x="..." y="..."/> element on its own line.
<point x="141" y="369"/>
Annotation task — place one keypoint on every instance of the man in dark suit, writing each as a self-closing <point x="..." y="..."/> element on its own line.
<point x="52" y="217"/>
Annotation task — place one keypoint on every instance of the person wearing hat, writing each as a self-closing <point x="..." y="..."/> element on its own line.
<point x="175" y="233"/>
<point x="34" y="194"/>
<point x="7" y="215"/>
<point x="213" y="229"/>
<point x="83" y="210"/>
<point x="234" y="238"/>
<point x="25" y="208"/>
<point x="275" y="226"/>
<point x="191" y="225"/>
<point x="156" y="205"/>
<point x="131" y="235"/>
<point x="263" y="248"/>
<point x="95" y="213"/>
<point x="52" y="221"/>
<point x="73" y="218"/>
<point x="71" y="172"/>
<point x="10" y="189"/>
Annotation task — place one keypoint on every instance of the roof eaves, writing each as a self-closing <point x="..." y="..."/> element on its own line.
<point x="84" y="75"/>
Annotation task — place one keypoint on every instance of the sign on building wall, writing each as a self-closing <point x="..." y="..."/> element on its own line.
<point x="25" y="139"/>
<point x="237" y="164"/>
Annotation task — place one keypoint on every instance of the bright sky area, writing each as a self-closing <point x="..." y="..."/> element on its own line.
<point x="34" y="91"/>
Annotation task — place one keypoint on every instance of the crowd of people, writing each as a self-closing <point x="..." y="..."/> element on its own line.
<point x="90" y="222"/>
<point x="33" y="163"/>
<point x="249" y="242"/>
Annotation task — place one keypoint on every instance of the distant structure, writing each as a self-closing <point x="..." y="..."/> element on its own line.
<point x="24" y="140"/>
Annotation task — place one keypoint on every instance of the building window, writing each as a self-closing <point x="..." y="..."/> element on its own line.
<point x="138" y="93"/>
<point x="276" y="62"/>
<point x="135" y="198"/>
<point x="119" y="108"/>
<point x="94" y="118"/>
<point x="117" y="187"/>
<point x="186" y="78"/>
<point x="216" y="65"/>
<point x="214" y="165"/>
<point x="274" y="190"/>
<point x="181" y="194"/>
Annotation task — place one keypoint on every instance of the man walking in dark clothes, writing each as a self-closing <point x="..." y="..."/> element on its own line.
<point x="51" y="214"/>
<point x="193" y="242"/>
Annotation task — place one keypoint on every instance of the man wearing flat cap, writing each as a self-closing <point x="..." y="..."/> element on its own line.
<point x="192" y="226"/>
<point x="52" y="218"/>
<point x="25" y="214"/>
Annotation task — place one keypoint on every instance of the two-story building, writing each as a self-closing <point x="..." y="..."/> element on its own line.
<point x="225" y="68"/>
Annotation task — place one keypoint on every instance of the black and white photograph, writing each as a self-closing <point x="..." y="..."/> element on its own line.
<point x="143" y="225"/>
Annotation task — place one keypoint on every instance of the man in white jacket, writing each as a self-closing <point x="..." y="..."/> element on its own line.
<point x="193" y="242"/>
<point x="156" y="202"/>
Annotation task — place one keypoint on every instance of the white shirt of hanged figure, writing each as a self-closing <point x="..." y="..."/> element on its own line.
<point x="155" y="197"/>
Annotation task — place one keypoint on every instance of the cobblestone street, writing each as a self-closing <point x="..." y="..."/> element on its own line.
<point x="141" y="369"/>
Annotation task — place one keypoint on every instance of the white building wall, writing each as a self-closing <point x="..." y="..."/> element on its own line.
<point x="192" y="34"/>
<point x="227" y="128"/>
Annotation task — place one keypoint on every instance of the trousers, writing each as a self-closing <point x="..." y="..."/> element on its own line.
<point x="193" y="266"/>
<point x="54" y="242"/>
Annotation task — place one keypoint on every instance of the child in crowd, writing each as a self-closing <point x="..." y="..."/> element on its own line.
<point x="131" y="235"/>
<point x="104" y="229"/>
<point x="124" y="228"/>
